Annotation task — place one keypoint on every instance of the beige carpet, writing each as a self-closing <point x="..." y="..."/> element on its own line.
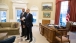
<point x="37" y="37"/>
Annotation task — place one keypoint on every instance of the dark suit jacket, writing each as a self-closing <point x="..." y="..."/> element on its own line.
<point x="29" y="20"/>
<point x="23" y="23"/>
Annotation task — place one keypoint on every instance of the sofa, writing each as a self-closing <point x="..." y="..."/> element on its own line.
<point x="11" y="28"/>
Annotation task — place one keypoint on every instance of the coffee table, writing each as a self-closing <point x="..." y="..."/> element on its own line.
<point x="3" y="36"/>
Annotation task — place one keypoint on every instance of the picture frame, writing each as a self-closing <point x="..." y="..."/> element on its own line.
<point x="46" y="14"/>
<point x="47" y="6"/>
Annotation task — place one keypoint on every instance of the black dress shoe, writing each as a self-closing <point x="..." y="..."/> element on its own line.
<point x="30" y="41"/>
<point x="26" y="39"/>
<point x="25" y="36"/>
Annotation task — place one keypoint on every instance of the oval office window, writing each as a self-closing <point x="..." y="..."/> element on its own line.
<point x="2" y="16"/>
<point x="18" y="12"/>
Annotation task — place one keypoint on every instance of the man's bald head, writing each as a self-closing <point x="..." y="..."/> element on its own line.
<point x="23" y="10"/>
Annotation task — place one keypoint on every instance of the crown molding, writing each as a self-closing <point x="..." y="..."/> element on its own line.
<point x="20" y="1"/>
<point x="3" y="6"/>
<point x="34" y="7"/>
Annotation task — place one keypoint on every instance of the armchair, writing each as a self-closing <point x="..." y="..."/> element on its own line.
<point x="61" y="38"/>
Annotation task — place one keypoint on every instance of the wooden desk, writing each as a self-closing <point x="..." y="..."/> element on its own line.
<point x="73" y="28"/>
<point x="49" y="32"/>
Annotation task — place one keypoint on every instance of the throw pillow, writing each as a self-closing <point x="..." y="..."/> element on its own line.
<point x="16" y="25"/>
<point x="13" y="25"/>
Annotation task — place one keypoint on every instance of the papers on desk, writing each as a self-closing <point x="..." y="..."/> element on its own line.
<point x="74" y="23"/>
<point x="56" y="25"/>
<point x="50" y="25"/>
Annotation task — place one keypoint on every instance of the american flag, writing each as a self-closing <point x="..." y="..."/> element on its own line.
<point x="67" y="16"/>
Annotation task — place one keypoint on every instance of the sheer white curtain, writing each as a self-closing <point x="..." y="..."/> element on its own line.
<point x="63" y="12"/>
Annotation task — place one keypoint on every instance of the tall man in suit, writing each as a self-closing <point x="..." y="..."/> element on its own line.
<point x="28" y="24"/>
<point x="22" y="19"/>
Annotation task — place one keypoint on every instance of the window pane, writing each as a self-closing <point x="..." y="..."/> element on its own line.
<point x="3" y="16"/>
<point x="63" y="12"/>
<point x="34" y="13"/>
<point x="18" y="12"/>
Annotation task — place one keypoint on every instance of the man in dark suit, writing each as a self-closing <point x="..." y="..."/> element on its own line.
<point x="28" y="24"/>
<point x="22" y="19"/>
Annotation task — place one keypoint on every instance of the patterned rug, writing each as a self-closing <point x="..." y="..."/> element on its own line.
<point x="22" y="39"/>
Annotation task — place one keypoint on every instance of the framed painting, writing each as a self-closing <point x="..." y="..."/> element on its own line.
<point x="46" y="14"/>
<point x="47" y="6"/>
